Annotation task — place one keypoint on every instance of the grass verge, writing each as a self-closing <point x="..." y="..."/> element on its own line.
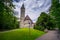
<point x="21" y="34"/>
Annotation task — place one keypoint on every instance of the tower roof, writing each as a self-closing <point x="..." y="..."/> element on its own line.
<point x="23" y="7"/>
<point x="28" y="18"/>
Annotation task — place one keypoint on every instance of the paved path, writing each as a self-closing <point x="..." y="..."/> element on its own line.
<point x="51" y="35"/>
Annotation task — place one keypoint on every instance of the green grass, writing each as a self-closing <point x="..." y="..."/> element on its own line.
<point x="21" y="34"/>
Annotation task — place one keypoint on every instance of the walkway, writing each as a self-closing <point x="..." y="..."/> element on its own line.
<point x="51" y="35"/>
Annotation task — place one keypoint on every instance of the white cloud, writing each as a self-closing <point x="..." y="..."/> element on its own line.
<point x="33" y="7"/>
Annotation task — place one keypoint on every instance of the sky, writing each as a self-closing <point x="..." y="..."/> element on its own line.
<point x="33" y="8"/>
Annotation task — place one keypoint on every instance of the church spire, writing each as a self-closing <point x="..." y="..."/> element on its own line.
<point x="23" y="7"/>
<point x="22" y="16"/>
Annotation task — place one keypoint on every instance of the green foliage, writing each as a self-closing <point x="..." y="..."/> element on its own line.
<point x="44" y="22"/>
<point x="55" y="12"/>
<point x="7" y="19"/>
<point x="21" y="34"/>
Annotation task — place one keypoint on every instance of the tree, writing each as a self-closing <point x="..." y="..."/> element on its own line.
<point x="44" y="22"/>
<point x="7" y="19"/>
<point x="55" y="12"/>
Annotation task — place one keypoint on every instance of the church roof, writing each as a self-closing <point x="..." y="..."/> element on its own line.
<point x="28" y="18"/>
<point x="23" y="7"/>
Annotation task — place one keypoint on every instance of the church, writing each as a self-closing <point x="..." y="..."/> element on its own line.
<point x="25" y="22"/>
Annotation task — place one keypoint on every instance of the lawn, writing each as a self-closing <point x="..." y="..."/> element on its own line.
<point x="21" y="34"/>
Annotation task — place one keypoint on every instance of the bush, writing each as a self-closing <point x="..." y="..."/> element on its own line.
<point x="44" y="22"/>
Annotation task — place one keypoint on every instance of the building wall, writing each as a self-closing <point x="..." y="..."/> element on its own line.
<point x="22" y="16"/>
<point x="28" y="24"/>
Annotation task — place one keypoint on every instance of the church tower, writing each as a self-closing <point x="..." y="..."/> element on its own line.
<point x="22" y="16"/>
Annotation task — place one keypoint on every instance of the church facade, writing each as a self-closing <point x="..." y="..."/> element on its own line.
<point x="25" y="22"/>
